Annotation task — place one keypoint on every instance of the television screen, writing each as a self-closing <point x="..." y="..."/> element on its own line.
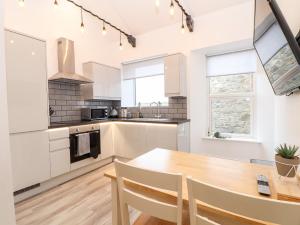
<point x="276" y="47"/>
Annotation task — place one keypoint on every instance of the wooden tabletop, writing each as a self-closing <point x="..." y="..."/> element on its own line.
<point x="227" y="174"/>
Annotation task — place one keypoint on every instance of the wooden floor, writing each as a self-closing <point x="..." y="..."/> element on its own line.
<point x="85" y="200"/>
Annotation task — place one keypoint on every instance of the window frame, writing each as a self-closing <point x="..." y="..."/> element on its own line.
<point x="251" y="95"/>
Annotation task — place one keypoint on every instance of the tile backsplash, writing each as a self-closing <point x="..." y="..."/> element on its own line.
<point x="177" y="108"/>
<point x="65" y="100"/>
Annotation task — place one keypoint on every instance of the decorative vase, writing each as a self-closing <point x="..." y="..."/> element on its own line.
<point x="287" y="167"/>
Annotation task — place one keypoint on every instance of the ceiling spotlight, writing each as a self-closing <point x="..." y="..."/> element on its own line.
<point x="182" y="25"/>
<point x="82" y="24"/>
<point x="182" y="29"/>
<point x="157" y="3"/>
<point x="172" y="8"/>
<point x="121" y="45"/>
<point x="104" y="31"/>
<point x="21" y="3"/>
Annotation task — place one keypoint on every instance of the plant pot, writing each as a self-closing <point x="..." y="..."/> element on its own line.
<point x="284" y="166"/>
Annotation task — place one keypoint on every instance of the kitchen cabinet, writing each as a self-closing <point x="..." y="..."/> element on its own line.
<point x="30" y="158"/>
<point x="130" y="139"/>
<point x="60" y="162"/>
<point x="134" y="139"/>
<point x="107" y="82"/>
<point x="175" y="75"/>
<point x="107" y="146"/>
<point x="161" y="136"/>
<point x="26" y="83"/>
<point x="183" y="137"/>
<point x="59" y="147"/>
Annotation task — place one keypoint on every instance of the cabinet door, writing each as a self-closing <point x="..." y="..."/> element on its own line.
<point x="114" y="84"/>
<point x="161" y="136"/>
<point x="26" y="83"/>
<point x="60" y="162"/>
<point x="130" y="139"/>
<point x="172" y="75"/>
<point x="30" y="158"/>
<point x="107" y="147"/>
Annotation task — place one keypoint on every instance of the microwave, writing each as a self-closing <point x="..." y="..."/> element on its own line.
<point x="89" y="114"/>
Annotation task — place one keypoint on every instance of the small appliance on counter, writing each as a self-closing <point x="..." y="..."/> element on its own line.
<point x="113" y="113"/>
<point x="124" y="112"/>
<point x="89" y="114"/>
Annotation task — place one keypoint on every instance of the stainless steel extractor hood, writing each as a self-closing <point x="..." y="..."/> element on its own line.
<point x="66" y="64"/>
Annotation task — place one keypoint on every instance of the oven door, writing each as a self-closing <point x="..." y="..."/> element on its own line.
<point x="95" y="146"/>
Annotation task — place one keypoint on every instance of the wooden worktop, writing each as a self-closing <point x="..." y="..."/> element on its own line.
<point x="228" y="174"/>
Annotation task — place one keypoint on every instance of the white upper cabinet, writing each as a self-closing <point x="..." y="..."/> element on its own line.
<point x="175" y="75"/>
<point x="107" y="82"/>
<point x="26" y="83"/>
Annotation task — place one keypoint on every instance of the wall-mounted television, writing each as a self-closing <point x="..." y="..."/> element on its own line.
<point x="276" y="47"/>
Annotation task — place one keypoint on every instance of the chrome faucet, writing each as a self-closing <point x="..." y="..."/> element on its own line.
<point x="158" y="104"/>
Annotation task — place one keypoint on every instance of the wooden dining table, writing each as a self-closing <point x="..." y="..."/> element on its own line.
<point x="227" y="174"/>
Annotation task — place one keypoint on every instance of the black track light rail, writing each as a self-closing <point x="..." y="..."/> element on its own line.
<point x="181" y="7"/>
<point x="189" y="19"/>
<point x="131" y="39"/>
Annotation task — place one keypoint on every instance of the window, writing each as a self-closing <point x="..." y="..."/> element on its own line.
<point x="231" y="93"/>
<point x="143" y="82"/>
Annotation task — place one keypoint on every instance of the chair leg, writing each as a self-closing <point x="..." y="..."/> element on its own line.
<point x="124" y="214"/>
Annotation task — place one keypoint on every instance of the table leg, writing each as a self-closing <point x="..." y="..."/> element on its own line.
<point x="116" y="213"/>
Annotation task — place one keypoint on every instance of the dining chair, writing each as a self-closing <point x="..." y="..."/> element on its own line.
<point x="262" y="209"/>
<point x="156" y="208"/>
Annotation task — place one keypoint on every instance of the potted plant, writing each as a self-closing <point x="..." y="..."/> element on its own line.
<point x="287" y="161"/>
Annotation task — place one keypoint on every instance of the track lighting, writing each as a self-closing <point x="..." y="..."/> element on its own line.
<point x="130" y="38"/>
<point x="172" y="8"/>
<point x="121" y="45"/>
<point x="82" y="24"/>
<point x="157" y="3"/>
<point x="21" y="3"/>
<point x="182" y="24"/>
<point x="104" y="31"/>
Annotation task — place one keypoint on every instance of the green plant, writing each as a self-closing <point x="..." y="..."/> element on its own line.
<point x="287" y="152"/>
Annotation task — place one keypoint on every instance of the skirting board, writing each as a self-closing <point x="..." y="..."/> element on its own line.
<point x="62" y="179"/>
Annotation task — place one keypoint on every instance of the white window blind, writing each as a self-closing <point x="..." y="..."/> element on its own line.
<point x="231" y="63"/>
<point x="150" y="67"/>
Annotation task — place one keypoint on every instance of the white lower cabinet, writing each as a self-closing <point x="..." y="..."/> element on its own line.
<point x="130" y="139"/>
<point x="59" y="143"/>
<point x="134" y="139"/>
<point x="161" y="136"/>
<point x="30" y="158"/>
<point x="107" y="145"/>
<point x="60" y="162"/>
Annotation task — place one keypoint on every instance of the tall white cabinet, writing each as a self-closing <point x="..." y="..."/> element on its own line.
<point x="27" y="109"/>
<point x="107" y="82"/>
<point x="26" y="83"/>
<point x="175" y="75"/>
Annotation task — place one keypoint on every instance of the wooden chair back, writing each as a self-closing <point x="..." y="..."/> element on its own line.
<point x="150" y="179"/>
<point x="268" y="210"/>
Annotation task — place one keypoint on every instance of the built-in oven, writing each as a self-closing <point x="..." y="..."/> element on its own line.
<point x="98" y="113"/>
<point x="85" y="142"/>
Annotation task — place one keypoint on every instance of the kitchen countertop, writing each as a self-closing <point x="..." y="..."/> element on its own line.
<point x="133" y="120"/>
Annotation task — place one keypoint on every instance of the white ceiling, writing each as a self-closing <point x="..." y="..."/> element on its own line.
<point x="141" y="16"/>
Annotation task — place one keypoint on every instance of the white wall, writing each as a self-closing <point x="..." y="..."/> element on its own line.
<point x="230" y="25"/>
<point x="7" y="213"/>
<point x="288" y="108"/>
<point x="42" y="20"/>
